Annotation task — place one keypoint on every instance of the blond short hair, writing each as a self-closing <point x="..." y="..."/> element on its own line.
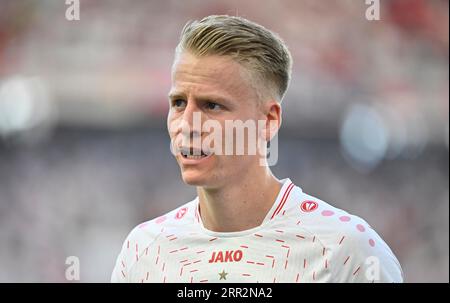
<point x="262" y="52"/>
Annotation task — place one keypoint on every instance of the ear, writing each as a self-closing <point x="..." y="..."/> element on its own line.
<point x="272" y="112"/>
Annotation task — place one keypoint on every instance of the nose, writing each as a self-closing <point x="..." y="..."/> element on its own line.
<point x="190" y="122"/>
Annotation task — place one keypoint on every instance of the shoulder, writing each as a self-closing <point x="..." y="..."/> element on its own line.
<point x="354" y="247"/>
<point x="143" y="235"/>
<point x="147" y="231"/>
<point x="326" y="221"/>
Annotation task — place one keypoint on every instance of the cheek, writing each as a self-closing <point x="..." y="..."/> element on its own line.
<point x="172" y="128"/>
<point x="172" y="124"/>
<point x="169" y="118"/>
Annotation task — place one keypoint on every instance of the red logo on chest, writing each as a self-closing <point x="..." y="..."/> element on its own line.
<point x="180" y="214"/>
<point x="226" y="256"/>
<point x="309" y="206"/>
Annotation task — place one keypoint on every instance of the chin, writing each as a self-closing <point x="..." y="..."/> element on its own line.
<point x="205" y="180"/>
<point x="194" y="179"/>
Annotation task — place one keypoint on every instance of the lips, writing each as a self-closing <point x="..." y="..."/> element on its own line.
<point x="193" y="153"/>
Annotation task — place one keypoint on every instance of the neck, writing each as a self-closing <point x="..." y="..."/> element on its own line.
<point x="240" y="205"/>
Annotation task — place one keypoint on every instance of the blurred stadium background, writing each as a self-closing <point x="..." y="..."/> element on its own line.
<point x="84" y="154"/>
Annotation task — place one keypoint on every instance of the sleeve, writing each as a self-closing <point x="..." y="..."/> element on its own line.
<point x="119" y="274"/>
<point x="137" y="241"/>
<point x="124" y="261"/>
<point x="364" y="257"/>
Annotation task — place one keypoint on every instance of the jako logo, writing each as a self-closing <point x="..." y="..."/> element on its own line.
<point x="230" y="256"/>
<point x="180" y="214"/>
<point x="309" y="206"/>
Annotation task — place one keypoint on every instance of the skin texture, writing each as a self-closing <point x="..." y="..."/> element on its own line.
<point x="235" y="191"/>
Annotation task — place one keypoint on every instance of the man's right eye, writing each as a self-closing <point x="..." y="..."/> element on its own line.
<point x="178" y="103"/>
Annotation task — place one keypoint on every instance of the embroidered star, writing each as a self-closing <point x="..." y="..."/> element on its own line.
<point x="223" y="275"/>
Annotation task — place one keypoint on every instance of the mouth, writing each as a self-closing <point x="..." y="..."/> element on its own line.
<point x="193" y="153"/>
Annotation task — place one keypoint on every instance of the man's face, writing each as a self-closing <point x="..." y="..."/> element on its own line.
<point x="214" y="88"/>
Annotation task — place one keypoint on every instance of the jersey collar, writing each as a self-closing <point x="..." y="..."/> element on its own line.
<point x="278" y="208"/>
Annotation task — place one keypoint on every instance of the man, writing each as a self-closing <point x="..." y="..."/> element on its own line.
<point x="245" y="225"/>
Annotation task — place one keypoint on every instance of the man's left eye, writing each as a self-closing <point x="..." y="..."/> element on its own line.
<point x="213" y="106"/>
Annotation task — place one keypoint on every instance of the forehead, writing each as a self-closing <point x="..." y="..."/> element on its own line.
<point x="206" y="74"/>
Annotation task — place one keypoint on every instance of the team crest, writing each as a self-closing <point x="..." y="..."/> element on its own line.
<point x="309" y="206"/>
<point x="180" y="214"/>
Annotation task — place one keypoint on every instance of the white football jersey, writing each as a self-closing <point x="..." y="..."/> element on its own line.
<point x="302" y="239"/>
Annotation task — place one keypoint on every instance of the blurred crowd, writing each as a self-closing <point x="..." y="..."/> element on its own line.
<point x="84" y="154"/>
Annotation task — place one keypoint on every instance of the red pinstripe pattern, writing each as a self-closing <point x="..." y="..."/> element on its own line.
<point x="356" y="271"/>
<point x="346" y="260"/>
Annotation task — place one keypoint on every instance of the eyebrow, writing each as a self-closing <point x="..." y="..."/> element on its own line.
<point x="173" y="96"/>
<point x="209" y="97"/>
